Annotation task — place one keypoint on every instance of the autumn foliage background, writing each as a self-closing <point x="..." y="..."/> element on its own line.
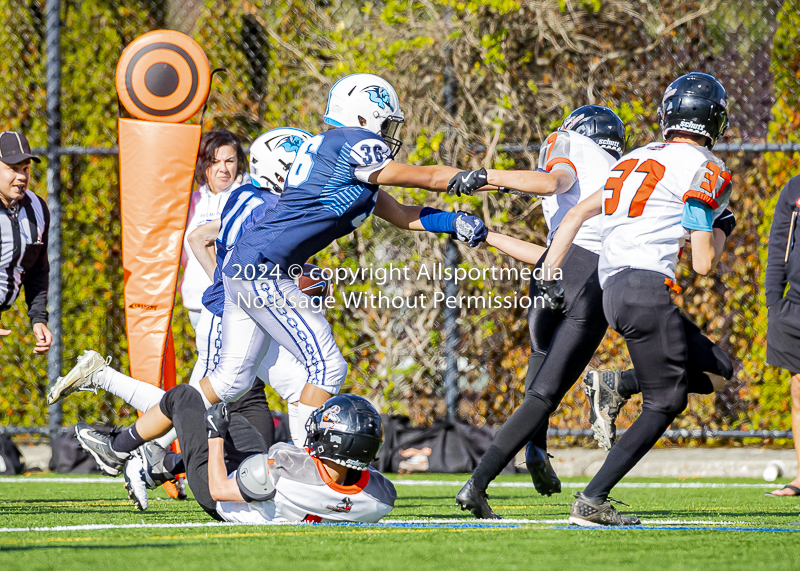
<point x="516" y="68"/>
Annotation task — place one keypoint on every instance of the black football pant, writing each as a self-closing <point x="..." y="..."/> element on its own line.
<point x="253" y="406"/>
<point x="664" y="347"/>
<point x="562" y="343"/>
<point x="184" y="406"/>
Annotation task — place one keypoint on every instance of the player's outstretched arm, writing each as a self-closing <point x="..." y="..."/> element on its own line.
<point x="568" y="229"/>
<point x="462" y="226"/>
<point x="537" y="183"/>
<point x="516" y="248"/>
<point x="433" y="177"/>
<point x="201" y="240"/>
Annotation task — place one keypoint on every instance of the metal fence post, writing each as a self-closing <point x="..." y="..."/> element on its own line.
<point x="451" y="256"/>
<point x="53" y="23"/>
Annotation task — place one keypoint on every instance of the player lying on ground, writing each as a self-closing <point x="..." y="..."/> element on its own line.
<point x="236" y="478"/>
<point x="333" y="186"/>
<point x="664" y="193"/>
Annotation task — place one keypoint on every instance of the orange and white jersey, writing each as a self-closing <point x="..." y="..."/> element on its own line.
<point x="590" y="165"/>
<point x="304" y="491"/>
<point x="643" y="204"/>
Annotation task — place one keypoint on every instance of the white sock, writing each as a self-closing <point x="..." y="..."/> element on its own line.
<point x="303" y="413"/>
<point x="140" y="395"/>
<point x="296" y="430"/>
<point x="167" y="440"/>
<point x="206" y="402"/>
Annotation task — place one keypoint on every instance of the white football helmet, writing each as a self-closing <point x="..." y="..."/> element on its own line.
<point x="271" y="156"/>
<point x="367" y="98"/>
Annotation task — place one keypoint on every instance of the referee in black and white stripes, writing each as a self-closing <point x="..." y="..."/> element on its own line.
<point x="24" y="224"/>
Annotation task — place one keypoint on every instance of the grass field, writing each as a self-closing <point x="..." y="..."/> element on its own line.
<point x="87" y="523"/>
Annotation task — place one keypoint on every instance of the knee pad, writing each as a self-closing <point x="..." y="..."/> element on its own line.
<point x="544" y="399"/>
<point x="672" y="405"/>
<point x="183" y="394"/>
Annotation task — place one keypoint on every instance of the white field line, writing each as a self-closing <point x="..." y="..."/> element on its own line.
<point x="453" y="483"/>
<point x="583" y="484"/>
<point x="415" y="521"/>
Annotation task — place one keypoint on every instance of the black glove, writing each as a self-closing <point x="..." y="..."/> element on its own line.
<point x="725" y="222"/>
<point x="470" y="229"/>
<point x="467" y="182"/>
<point x="218" y="417"/>
<point x="552" y="292"/>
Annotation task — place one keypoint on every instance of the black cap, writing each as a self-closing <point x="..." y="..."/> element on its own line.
<point x="14" y="148"/>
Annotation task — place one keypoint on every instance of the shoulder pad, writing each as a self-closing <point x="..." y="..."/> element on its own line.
<point x="555" y="153"/>
<point x="255" y="481"/>
<point x="711" y="183"/>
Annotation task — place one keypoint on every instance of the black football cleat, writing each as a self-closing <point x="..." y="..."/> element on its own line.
<point x="471" y="498"/>
<point x="98" y="445"/>
<point x="544" y="477"/>
<point x="591" y="512"/>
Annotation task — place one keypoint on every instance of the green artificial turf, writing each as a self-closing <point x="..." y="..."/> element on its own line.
<point x="722" y="534"/>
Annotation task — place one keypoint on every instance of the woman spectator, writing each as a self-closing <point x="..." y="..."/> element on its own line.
<point x="783" y="330"/>
<point x="221" y="168"/>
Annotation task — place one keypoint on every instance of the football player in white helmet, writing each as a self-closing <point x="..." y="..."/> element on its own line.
<point x="331" y="189"/>
<point x="271" y="155"/>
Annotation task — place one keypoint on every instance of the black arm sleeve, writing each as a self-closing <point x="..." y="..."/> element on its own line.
<point x="37" y="280"/>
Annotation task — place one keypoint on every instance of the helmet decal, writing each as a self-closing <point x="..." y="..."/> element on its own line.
<point x="290" y="144"/>
<point x="379" y="95"/>
<point x="331" y="414"/>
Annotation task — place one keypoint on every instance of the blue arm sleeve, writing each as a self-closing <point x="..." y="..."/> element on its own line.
<point x="697" y="215"/>
<point x="434" y="220"/>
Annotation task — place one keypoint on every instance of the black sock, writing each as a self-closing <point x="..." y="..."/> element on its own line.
<point x="492" y="463"/>
<point x="628" y="384"/>
<point x="628" y="450"/>
<point x="539" y="439"/>
<point x="127" y="441"/>
<point x="173" y="463"/>
<point x="523" y="424"/>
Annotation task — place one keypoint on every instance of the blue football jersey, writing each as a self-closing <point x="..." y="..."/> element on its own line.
<point x="327" y="196"/>
<point x="245" y="205"/>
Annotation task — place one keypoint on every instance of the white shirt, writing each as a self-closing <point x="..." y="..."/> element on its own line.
<point x="206" y="206"/>
<point x="641" y="220"/>
<point x="304" y="491"/>
<point x="590" y="165"/>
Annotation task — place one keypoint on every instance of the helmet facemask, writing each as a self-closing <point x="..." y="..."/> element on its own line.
<point x="389" y="129"/>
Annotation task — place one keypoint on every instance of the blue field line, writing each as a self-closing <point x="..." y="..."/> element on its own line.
<point x="679" y="528"/>
<point x="422" y="525"/>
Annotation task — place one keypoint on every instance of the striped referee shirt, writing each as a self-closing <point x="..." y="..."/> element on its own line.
<point x="23" y="255"/>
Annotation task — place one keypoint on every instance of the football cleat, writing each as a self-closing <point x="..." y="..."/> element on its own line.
<point x="152" y="455"/>
<point x="82" y="377"/>
<point x="472" y="499"/>
<point x="176" y="489"/>
<point x="588" y="512"/>
<point x="544" y="477"/>
<point x="602" y="390"/>
<point x="99" y="446"/>
<point x="135" y="481"/>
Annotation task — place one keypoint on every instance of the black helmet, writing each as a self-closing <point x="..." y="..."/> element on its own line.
<point x="695" y="103"/>
<point x="601" y="125"/>
<point x="347" y="430"/>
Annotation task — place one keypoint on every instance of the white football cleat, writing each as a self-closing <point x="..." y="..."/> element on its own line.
<point x="135" y="481"/>
<point x="82" y="377"/>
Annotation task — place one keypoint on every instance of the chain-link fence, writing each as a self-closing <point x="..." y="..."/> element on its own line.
<point x="482" y="83"/>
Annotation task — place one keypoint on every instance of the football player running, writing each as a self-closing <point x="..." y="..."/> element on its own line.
<point x="271" y="156"/>
<point x="658" y="196"/>
<point x="585" y="147"/>
<point x="333" y="186"/>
